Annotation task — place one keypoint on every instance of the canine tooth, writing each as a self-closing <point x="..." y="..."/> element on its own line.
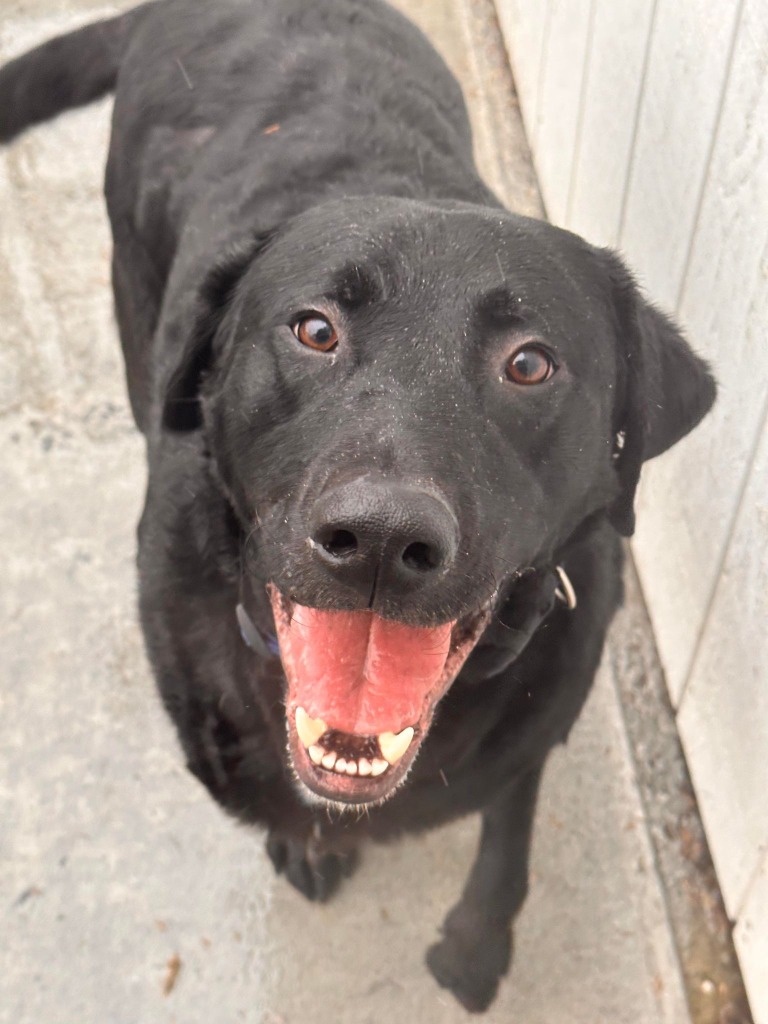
<point x="309" y="729"/>
<point x="394" y="745"/>
<point x="316" y="754"/>
<point x="341" y="765"/>
<point x="329" y="760"/>
<point x="378" y="766"/>
<point x="364" y="766"/>
<point x="351" y="768"/>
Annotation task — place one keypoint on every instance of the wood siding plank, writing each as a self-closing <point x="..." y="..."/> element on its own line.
<point x="688" y="498"/>
<point x="523" y="25"/>
<point x="751" y="938"/>
<point x="724" y="715"/>
<point x="687" y="65"/>
<point x="614" y="78"/>
<point x="559" y="106"/>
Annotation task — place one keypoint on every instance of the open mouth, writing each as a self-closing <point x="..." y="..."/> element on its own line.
<point x="362" y="691"/>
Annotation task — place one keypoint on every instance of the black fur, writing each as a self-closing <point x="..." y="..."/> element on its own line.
<point x="270" y="157"/>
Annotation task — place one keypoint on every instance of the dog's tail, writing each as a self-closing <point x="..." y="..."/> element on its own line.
<point x="65" y="72"/>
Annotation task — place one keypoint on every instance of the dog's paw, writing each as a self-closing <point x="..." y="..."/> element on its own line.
<point x="471" y="963"/>
<point x="317" y="875"/>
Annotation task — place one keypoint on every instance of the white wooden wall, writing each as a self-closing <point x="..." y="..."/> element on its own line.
<point x="648" y="121"/>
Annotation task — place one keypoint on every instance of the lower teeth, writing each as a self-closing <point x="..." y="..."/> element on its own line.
<point x="372" y="755"/>
<point x="346" y="766"/>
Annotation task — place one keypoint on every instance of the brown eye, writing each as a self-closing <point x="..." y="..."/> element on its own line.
<point x="531" y="364"/>
<point x="316" y="332"/>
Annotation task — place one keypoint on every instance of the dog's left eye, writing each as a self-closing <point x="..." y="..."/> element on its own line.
<point x="316" y="332"/>
<point x="531" y="364"/>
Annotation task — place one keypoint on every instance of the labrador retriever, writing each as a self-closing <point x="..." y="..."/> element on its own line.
<point x="393" y="430"/>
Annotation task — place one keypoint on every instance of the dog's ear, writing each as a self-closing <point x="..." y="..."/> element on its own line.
<point x="181" y="397"/>
<point x="667" y="387"/>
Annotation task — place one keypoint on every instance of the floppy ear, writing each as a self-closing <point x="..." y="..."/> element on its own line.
<point x="181" y="399"/>
<point x="667" y="388"/>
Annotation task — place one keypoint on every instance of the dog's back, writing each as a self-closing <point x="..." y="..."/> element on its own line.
<point x="252" y="112"/>
<point x="230" y="118"/>
<point x="181" y="64"/>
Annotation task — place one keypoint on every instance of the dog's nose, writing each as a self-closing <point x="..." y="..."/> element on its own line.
<point x="393" y="536"/>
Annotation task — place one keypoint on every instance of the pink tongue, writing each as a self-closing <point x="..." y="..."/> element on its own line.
<point x="361" y="673"/>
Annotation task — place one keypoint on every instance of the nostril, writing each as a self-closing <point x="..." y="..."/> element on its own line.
<point x="420" y="557"/>
<point x="338" y="543"/>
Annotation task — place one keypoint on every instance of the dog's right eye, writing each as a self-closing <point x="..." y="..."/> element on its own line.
<point x="531" y="364"/>
<point x="316" y="332"/>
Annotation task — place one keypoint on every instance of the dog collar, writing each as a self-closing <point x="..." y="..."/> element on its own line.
<point x="565" y="592"/>
<point x="263" y="644"/>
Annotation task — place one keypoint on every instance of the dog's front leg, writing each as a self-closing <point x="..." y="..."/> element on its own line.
<point x="476" y="948"/>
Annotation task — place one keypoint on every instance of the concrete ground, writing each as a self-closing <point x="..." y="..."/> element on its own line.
<point x="127" y="895"/>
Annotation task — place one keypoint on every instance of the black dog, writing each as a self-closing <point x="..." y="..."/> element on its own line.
<point x="391" y="429"/>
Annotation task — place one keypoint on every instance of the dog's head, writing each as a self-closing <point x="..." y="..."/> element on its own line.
<point x="409" y="404"/>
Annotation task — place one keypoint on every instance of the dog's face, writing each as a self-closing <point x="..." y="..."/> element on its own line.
<point x="409" y="405"/>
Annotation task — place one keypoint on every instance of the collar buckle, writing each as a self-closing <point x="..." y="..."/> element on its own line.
<point x="565" y="592"/>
